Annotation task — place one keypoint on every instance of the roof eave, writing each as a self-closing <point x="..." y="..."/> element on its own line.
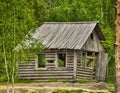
<point x="99" y="32"/>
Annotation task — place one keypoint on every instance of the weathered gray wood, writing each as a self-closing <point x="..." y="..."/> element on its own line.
<point x="66" y="35"/>
<point x="52" y="77"/>
<point x="28" y="71"/>
<point x="70" y="60"/>
<point x="85" y="78"/>
<point x="93" y="45"/>
<point x="85" y="34"/>
<point x="24" y="65"/>
<point x="101" y="67"/>
<point x="44" y="71"/>
<point x="83" y="72"/>
<point x="50" y="56"/>
<point x="49" y="73"/>
<point x="75" y="65"/>
<point x="59" y="80"/>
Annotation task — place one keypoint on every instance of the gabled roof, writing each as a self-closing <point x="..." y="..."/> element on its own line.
<point x="66" y="35"/>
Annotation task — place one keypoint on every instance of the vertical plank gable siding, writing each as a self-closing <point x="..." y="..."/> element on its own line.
<point x="93" y="45"/>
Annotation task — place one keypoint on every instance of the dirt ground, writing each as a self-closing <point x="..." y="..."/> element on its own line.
<point x="48" y="87"/>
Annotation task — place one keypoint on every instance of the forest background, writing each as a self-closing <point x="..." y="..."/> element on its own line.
<point x="18" y="17"/>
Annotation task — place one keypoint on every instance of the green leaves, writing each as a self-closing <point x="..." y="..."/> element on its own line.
<point x="18" y="17"/>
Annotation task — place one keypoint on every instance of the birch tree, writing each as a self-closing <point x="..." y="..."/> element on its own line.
<point x="17" y="20"/>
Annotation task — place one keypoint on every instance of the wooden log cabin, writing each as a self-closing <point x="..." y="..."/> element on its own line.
<point x="73" y="51"/>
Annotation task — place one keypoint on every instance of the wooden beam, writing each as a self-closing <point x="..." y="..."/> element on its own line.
<point x="56" y="60"/>
<point x="75" y="65"/>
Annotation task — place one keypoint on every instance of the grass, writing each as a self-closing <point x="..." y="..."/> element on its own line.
<point x="74" y="91"/>
<point x="112" y="90"/>
<point x="82" y="81"/>
<point x="68" y="91"/>
<point x="53" y="80"/>
<point x="23" y="81"/>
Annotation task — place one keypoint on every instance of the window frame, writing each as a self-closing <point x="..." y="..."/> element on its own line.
<point x="85" y="59"/>
<point x="48" y="61"/>
<point x="41" y="68"/>
<point x="58" y="58"/>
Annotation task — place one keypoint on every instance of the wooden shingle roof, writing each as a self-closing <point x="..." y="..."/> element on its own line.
<point x="66" y="35"/>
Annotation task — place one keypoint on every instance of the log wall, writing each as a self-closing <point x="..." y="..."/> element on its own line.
<point x="51" y="71"/>
<point x="30" y="71"/>
<point x="83" y="72"/>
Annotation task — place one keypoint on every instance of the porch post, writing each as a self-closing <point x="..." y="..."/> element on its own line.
<point x="75" y="66"/>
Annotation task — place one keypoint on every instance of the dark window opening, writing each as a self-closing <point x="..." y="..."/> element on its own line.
<point x="50" y="61"/>
<point x="89" y="53"/>
<point x="41" y="60"/>
<point x="91" y="37"/>
<point x="61" y="59"/>
<point x="83" y="61"/>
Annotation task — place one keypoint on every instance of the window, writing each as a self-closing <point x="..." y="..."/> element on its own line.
<point x="41" y="60"/>
<point x="88" y="59"/>
<point x="83" y="61"/>
<point x="90" y="63"/>
<point x="91" y="37"/>
<point x="61" y="59"/>
<point x="50" y="61"/>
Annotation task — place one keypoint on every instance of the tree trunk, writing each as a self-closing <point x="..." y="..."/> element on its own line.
<point x="13" y="79"/>
<point x="14" y="61"/>
<point x="5" y="60"/>
<point x="117" y="48"/>
<point x="101" y="9"/>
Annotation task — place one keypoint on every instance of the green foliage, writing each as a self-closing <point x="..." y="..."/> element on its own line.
<point x="68" y="91"/>
<point x="53" y="80"/>
<point x="61" y="60"/>
<point x="60" y="63"/>
<point x="80" y="10"/>
<point x="41" y="60"/>
<point x="23" y="81"/>
<point x="82" y="81"/>
<point x="18" y="17"/>
<point x="75" y="91"/>
<point x="112" y="90"/>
